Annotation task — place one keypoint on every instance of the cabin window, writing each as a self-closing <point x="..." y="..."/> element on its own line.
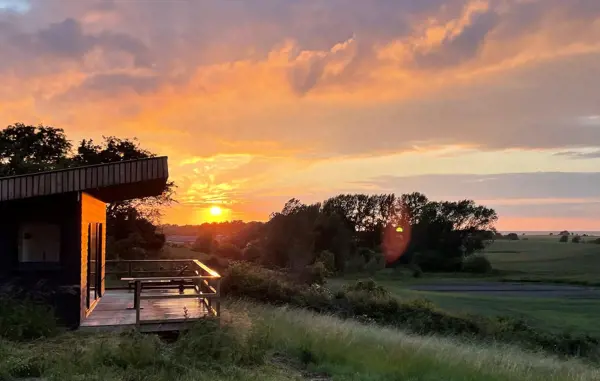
<point x="39" y="242"/>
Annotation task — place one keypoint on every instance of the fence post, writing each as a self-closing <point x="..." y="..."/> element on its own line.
<point x="138" y="292"/>
<point x="218" y="304"/>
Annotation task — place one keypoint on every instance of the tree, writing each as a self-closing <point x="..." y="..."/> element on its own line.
<point x="113" y="149"/>
<point x="26" y="149"/>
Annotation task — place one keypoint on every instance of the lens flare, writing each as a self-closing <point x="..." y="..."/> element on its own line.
<point x="395" y="242"/>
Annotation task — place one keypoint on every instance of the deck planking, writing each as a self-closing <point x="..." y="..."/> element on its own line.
<point x="115" y="310"/>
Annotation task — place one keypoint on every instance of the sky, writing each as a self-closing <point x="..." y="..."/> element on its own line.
<point x="256" y="102"/>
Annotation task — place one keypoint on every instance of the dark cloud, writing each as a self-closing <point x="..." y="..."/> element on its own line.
<point x="65" y="39"/>
<point x="579" y="155"/>
<point x="462" y="47"/>
<point x="109" y="84"/>
<point x="537" y="185"/>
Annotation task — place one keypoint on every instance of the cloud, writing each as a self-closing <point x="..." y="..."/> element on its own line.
<point x="580" y="155"/>
<point x="536" y="185"/>
<point x="289" y="84"/>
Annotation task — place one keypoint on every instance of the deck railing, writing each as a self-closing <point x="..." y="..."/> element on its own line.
<point x="179" y="275"/>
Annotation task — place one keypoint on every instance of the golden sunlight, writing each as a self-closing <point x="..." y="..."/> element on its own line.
<point x="216" y="211"/>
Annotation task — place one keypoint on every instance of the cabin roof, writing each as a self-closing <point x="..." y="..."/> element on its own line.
<point x="108" y="182"/>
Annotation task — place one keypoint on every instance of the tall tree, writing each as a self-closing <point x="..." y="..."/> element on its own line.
<point x="27" y="149"/>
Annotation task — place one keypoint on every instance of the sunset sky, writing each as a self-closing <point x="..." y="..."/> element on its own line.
<point x="258" y="101"/>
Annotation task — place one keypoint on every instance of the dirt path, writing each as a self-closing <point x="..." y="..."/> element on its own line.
<point x="514" y="289"/>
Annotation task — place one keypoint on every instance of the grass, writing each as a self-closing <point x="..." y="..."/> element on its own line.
<point x="555" y="315"/>
<point x="296" y="344"/>
<point x="352" y="351"/>
<point x="544" y="258"/>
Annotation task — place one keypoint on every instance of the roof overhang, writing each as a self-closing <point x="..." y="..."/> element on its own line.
<point x="111" y="182"/>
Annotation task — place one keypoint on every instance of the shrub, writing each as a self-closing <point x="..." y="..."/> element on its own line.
<point x="512" y="236"/>
<point x="563" y="238"/>
<point x="316" y="273"/>
<point x="435" y="261"/>
<point x="596" y="241"/>
<point x="416" y="270"/>
<point x="356" y="264"/>
<point x="477" y="264"/>
<point x="25" y="319"/>
<point x="576" y="239"/>
<point x="252" y="252"/>
<point x="328" y="259"/>
<point x="229" y="251"/>
<point x="367" y="286"/>
<point x="375" y="263"/>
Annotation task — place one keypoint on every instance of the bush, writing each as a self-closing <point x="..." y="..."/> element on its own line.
<point x="512" y="237"/>
<point x="328" y="259"/>
<point x="477" y="264"/>
<point x="356" y="264"/>
<point x="316" y="273"/>
<point x="596" y="241"/>
<point x="435" y="261"/>
<point x="229" y="251"/>
<point x="376" y="263"/>
<point x="563" y="238"/>
<point x="26" y="320"/>
<point x="576" y="239"/>
<point x="367" y="286"/>
<point x="252" y="252"/>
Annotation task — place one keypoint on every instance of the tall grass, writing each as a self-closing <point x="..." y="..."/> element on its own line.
<point x="258" y="342"/>
<point x="350" y="350"/>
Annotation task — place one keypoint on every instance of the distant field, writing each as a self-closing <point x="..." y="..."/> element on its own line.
<point x="544" y="257"/>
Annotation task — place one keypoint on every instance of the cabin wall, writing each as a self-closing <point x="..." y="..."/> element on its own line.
<point x="92" y="211"/>
<point x="29" y="226"/>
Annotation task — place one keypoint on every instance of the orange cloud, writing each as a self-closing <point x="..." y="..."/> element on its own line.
<point x="256" y="104"/>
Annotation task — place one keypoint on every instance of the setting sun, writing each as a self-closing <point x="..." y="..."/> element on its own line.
<point x="215" y="211"/>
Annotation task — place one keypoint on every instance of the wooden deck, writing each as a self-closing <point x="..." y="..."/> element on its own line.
<point x="115" y="311"/>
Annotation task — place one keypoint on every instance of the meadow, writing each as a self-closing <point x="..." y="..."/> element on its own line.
<point x="538" y="259"/>
<point x="271" y="343"/>
<point x="544" y="258"/>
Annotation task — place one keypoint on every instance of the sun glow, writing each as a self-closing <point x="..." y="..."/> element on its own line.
<point x="215" y="211"/>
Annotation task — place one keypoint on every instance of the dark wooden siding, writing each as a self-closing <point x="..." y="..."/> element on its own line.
<point x="86" y="178"/>
<point x="62" y="210"/>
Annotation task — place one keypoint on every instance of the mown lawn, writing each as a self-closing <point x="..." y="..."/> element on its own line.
<point x="267" y="343"/>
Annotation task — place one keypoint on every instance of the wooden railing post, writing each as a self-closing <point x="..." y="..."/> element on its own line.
<point x="136" y="301"/>
<point x="218" y="302"/>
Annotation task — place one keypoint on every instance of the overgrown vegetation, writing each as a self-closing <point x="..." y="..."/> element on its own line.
<point x="265" y="343"/>
<point x="25" y="319"/>
<point x="368" y="303"/>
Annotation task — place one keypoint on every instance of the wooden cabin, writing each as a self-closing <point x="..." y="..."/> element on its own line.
<point x="53" y="227"/>
<point x="53" y="231"/>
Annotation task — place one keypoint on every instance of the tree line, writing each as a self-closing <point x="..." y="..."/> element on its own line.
<point x="348" y="232"/>
<point x="360" y="232"/>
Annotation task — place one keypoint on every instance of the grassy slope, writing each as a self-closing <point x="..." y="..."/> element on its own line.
<point x="301" y="345"/>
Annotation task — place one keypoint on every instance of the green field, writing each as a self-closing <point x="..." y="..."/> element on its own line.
<point x="545" y="258"/>
<point x="536" y="258"/>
